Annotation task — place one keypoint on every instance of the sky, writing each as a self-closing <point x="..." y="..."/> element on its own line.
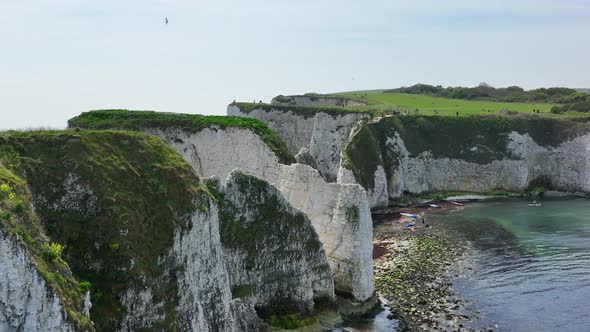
<point x="59" y="58"/>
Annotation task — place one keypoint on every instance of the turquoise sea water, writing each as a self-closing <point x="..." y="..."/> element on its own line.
<point x="530" y="267"/>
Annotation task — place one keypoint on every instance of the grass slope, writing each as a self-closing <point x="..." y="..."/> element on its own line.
<point x="144" y="190"/>
<point x="136" y="120"/>
<point x="20" y="221"/>
<point x="381" y="102"/>
<point x="445" y="106"/>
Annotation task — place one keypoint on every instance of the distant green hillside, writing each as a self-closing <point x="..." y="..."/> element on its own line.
<point x="382" y="102"/>
<point x="431" y="100"/>
<point x="511" y="94"/>
<point x="445" y="106"/>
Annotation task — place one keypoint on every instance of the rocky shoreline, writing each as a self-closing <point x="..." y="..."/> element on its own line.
<point x="413" y="271"/>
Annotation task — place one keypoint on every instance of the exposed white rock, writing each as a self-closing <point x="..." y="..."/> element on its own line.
<point x="87" y="304"/>
<point x="322" y="133"/>
<point x="73" y="196"/>
<point x="27" y="304"/>
<point x="204" y="294"/>
<point x="294" y="129"/>
<point x="141" y="309"/>
<point x="566" y="166"/>
<point x="330" y="134"/>
<point x="304" y="157"/>
<point x="216" y="151"/>
<point x="341" y="216"/>
<point x="378" y="195"/>
<point x="273" y="254"/>
<point x="205" y="299"/>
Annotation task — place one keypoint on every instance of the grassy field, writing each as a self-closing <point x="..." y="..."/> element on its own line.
<point x="427" y="104"/>
<point x="379" y="100"/>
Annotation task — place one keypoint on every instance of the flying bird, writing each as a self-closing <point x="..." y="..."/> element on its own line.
<point x="166" y="19"/>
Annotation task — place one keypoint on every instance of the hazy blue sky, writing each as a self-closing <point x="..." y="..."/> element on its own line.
<point x="61" y="57"/>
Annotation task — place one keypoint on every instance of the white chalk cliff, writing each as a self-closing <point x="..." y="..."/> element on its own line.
<point x="27" y="303"/>
<point x="566" y="167"/>
<point x="346" y="236"/>
<point x="273" y="255"/>
<point x="323" y="134"/>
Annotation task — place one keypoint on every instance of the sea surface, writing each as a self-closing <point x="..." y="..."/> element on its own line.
<point x="529" y="267"/>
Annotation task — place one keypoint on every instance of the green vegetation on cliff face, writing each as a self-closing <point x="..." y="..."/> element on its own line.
<point x="477" y="139"/>
<point x="137" y="120"/>
<point x="21" y="222"/>
<point x="255" y="221"/>
<point x="113" y="200"/>
<point x="362" y="157"/>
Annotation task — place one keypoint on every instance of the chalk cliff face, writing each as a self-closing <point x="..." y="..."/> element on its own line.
<point x="274" y="257"/>
<point x="324" y="134"/>
<point x="159" y="252"/>
<point x="416" y="154"/>
<point x="361" y="162"/>
<point x="339" y="213"/>
<point x="501" y="154"/>
<point x="217" y="152"/>
<point x="565" y="167"/>
<point x="135" y="224"/>
<point x="26" y="302"/>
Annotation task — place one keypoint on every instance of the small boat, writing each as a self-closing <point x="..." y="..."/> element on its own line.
<point x="457" y="203"/>
<point x="434" y="206"/>
<point x="534" y="204"/>
<point x="411" y="215"/>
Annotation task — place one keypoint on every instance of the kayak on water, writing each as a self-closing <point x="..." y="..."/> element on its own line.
<point x="411" y="215"/>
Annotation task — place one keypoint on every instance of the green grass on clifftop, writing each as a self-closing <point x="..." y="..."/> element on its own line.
<point x="305" y="111"/>
<point x="446" y="106"/>
<point x="137" y="120"/>
<point x="380" y="102"/>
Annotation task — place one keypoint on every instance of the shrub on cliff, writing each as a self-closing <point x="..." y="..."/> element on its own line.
<point x="485" y="92"/>
<point x="52" y="252"/>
